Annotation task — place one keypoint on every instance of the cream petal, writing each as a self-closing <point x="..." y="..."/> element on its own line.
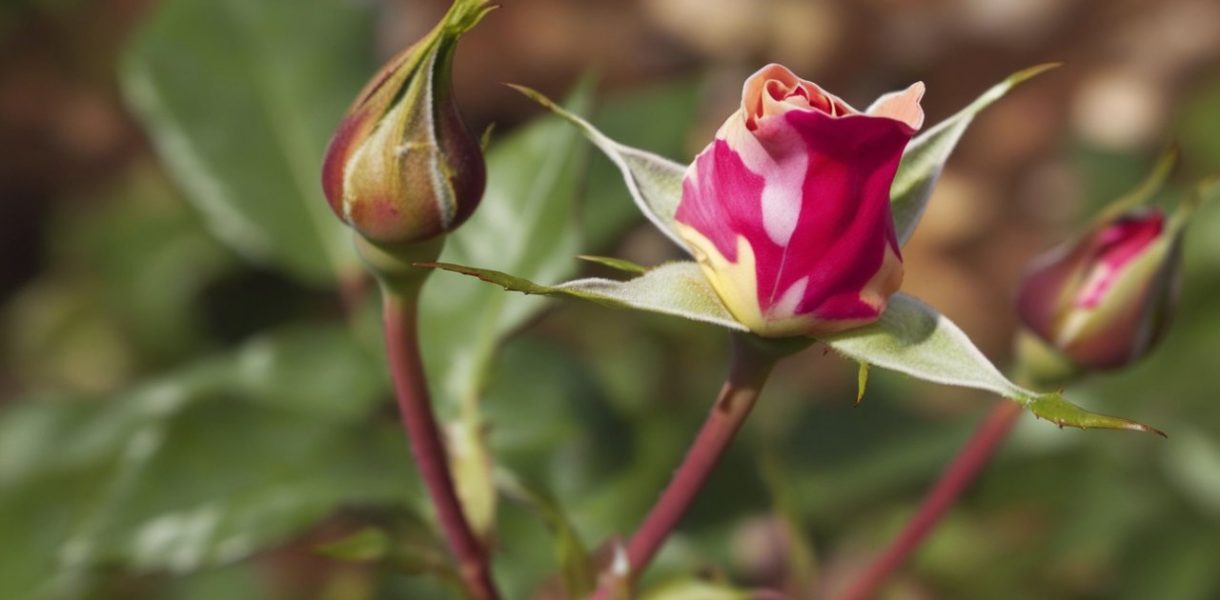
<point x="901" y="106"/>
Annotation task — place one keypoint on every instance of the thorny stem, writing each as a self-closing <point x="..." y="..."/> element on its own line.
<point x="960" y="473"/>
<point x="748" y="373"/>
<point x="415" y="405"/>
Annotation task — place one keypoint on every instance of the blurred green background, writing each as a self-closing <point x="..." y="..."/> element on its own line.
<point x="188" y="411"/>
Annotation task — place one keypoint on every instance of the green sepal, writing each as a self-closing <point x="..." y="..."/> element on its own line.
<point x="677" y="288"/>
<point x="914" y="339"/>
<point x="617" y="264"/>
<point x="926" y="155"/>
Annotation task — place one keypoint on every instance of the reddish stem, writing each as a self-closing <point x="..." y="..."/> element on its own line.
<point x="747" y="375"/>
<point x="953" y="481"/>
<point x="415" y="405"/>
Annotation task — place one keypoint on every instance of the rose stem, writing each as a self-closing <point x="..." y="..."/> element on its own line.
<point x="400" y="316"/>
<point x="747" y="374"/>
<point x="960" y="473"/>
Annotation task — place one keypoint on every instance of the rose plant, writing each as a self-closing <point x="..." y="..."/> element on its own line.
<point x="795" y="215"/>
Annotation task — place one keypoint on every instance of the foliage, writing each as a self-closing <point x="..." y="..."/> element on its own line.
<point x="197" y="408"/>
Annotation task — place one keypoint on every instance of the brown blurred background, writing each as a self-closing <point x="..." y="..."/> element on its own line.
<point x="1128" y="66"/>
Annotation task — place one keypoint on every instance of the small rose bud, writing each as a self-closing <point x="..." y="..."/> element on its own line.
<point x="788" y="209"/>
<point x="1104" y="300"/>
<point x="402" y="167"/>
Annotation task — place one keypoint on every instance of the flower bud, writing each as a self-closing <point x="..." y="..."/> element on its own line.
<point x="1104" y="300"/>
<point x="402" y="167"/>
<point x="788" y="209"/>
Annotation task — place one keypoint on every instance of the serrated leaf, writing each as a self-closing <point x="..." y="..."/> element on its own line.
<point x="655" y="182"/>
<point x="926" y="155"/>
<point x="677" y="288"/>
<point x="239" y="99"/>
<point x="618" y="264"/>
<point x="914" y="339"/>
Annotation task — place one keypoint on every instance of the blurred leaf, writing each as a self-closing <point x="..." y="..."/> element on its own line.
<point x="59" y="337"/>
<point x="1198" y="124"/>
<point x="1147" y="190"/>
<point x="186" y="498"/>
<point x="913" y="338"/>
<point x="678" y="289"/>
<point x="1176" y="562"/>
<point x="695" y="589"/>
<point x="470" y="460"/>
<point x="367" y="545"/>
<point x="239" y="99"/>
<point x="524" y="224"/>
<point x="47" y="479"/>
<point x="203" y="466"/>
<point x="406" y="546"/>
<point x="243" y="581"/>
<point x="800" y="559"/>
<point x="655" y="182"/>
<point x="575" y="563"/>
<point x="664" y="132"/>
<point x="926" y="155"/>
<point x="1192" y="464"/>
<point x="313" y="370"/>
<point x="149" y="257"/>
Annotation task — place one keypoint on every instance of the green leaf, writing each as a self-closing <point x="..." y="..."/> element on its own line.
<point x="655" y="182"/>
<point x="695" y="589"/>
<point x="525" y="224"/>
<point x="677" y="288"/>
<point x="367" y="545"/>
<point x="1145" y="192"/>
<point x="239" y="99"/>
<point x="471" y="462"/>
<point x="575" y="562"/>
<point x="914" y="339"/>
<point x="404" y="546"/>
<point x="203" y="466"/>
<point x="619" y="264"/>
<point x="926" y="155"/>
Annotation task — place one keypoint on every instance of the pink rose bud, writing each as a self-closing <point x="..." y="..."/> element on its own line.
<point x="788" y="209"/>
<point x="1104" y="300"/>
<point x="402" y="167"/>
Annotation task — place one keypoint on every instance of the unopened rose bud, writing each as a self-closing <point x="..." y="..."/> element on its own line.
<point x="1104" y="300"/>
<point x="788" y="209"/>
<point x="402" y="167"/>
